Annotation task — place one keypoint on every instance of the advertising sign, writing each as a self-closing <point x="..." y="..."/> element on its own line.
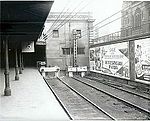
<point x="92" y="60"/>
<point x="142" y="59"/>
<point x="110" y="59"/>
<point x="28" y="47"/>
<point x="114" y="60"/>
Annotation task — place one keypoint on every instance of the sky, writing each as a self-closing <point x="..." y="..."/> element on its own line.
<point x="100" y="9"/>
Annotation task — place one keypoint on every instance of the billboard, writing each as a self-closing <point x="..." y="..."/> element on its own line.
<point x="142" y="59"/>
<point x="110" y="59"/>
<point x="92" y="58"/>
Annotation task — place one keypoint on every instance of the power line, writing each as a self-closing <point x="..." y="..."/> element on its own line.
<point x="112" y="20"/>
<point x="67" y="15"/>
<point x="69" y="19"/>
<point x="103" y="20"/>
<point x="107" y="18"/>
<point x="55" y="22"/>
<point x="104" y="25"/>
<point x="72" y="16"/>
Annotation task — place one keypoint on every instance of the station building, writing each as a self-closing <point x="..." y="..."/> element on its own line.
<point x="59" y="32"/>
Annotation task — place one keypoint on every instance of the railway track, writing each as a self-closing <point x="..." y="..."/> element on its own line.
<point x="120" y="86"/>
<point x="137" y="101"/>
<point x="111" y="105"/>
<point x="75" y="104"/>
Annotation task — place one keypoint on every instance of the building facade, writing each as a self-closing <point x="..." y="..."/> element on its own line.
<point x="125" y="54"/>
<point x="135" y="17"/>
<point x="59" y="36"/>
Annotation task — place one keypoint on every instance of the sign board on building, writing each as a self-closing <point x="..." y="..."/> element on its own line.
<point x="142" y="59"/>
<point x="110" y="59"/>
<point x="114" y="60"/>
<point x="28" y="47"/>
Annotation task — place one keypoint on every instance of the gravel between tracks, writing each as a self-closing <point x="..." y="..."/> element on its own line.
<point x="114" y="107"/>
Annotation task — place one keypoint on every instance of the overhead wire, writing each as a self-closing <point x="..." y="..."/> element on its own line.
<point x="109" y="17"/>
<point x="67" y="15"/>
<point x="58" y="17"/>
<point x="106" y="19"/>
<point x="69" y="18"/>
<point x="110" y="21"/>
<point x="102" y="20"/>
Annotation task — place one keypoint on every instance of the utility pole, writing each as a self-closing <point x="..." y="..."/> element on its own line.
<point x="70" y="44"/>
<point x="75" y="48"/>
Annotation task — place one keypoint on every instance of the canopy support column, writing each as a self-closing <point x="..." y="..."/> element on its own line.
<point x="7" y="90"/>
<point x="16" y="66"/>
<point x="20" y="62"/>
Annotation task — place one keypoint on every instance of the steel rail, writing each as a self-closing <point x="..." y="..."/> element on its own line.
<point x="118" y="98"/>
<point x="109" y="84"/>
<point x="59" y="100"/>
<point x="99" y="108"/>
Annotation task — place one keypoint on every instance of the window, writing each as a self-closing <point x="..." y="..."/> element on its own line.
<point x="132" y="21"/>
<point x="66" y="51"/>
<point x="78" y="33"/>
<point x="137" y="17"/>
<point x="55" y="33"/>
<point x="80" y="51"/>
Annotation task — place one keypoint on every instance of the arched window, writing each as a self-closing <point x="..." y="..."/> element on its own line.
<point x="132" y="21"/>
<point x="137" y="17"/>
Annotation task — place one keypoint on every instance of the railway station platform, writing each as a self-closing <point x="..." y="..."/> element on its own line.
<point x="31" y="99"/>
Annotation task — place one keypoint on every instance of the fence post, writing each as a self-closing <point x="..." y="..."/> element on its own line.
<point x="131" y="48"/>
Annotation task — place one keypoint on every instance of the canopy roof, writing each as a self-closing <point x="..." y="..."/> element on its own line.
<point x="23" y="20"/>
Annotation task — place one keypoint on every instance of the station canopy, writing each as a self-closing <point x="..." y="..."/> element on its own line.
<point x="22" y="20"/>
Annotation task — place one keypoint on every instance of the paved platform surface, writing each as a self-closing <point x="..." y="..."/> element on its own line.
<point x="31" y="99"/>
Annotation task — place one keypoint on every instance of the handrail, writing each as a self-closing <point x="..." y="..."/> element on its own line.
<point x="124" y="33"/>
